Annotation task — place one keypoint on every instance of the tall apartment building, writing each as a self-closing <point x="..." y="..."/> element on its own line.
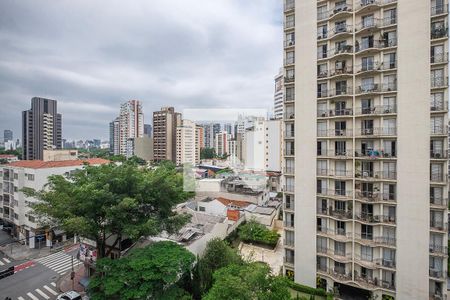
<point x="41" y="128"/>
<point x="165" y="123"/>
<point x="186" y="146"/>
<point x="148" y="130"/>
<point x="221" y="143"/>
<point x="365" y="193"/>
<point x="7" y="135"/>
<point x="199" y="141"/>
<point x="278" y="96"/>
<point x="127" y="127"/>
<point x="114" y="137"/>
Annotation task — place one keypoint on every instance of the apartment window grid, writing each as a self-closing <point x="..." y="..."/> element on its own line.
<point x="382" y="128"/>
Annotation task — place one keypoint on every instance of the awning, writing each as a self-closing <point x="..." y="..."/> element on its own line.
<point x="84" y="281"/>
<point x="57" y="231"/>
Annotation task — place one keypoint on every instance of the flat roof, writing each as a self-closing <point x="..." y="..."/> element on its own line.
<point x="40" y="164"/>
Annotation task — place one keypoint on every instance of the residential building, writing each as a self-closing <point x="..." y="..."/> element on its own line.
<point x="143" y="148"/>
<point x="273" y="145"/>
<point x="131" y="125"/>
<point x="165" y="123"/>
<point x="114" y="136"/>
<point x="14" y="207"/>
<point x="209" y="139"/>
<point x="199" y="142"/>
<point x="365" y="191"/>
<point x="41" y="128"/>
<point x="186" y="143"/>
<point x="278" y="96"/>
<point x="7" y="135"/>
<point x="221" y="143"/>
<point x="148" y="130"/>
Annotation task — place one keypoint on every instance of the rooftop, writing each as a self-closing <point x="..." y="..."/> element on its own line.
<point x="40" y="164"/>
<point x="7" y="156"/>
<point x="237" y="203"/>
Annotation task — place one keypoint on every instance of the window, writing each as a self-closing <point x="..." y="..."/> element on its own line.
<point x="321" y="167"/>
<point x="389" y="61"/>
<point x="366" y="42"/>
<point x="367" y="21"/>
<point x="367" y="63"/>
<point x="437" y="101"/>
<point x="366" y="253"/>
<point x="390" y="17"/>
<point x="322" y="32"/>
<point x="322" y="51"/>
<point x="389" y="170"/>
<point x="340" y="227"/>
<point x="31" y="177"/>
<point x="366" y="232"/>
<point x="368" y="84"/>
<point x="290" y="237"/>
<point x="437" y="172"/>
<point x="321" y="128"/>
<point x="290" y="21"/>
<point x="339" y="187"/>
<point x="321" y="186"/>
<point x="341" y="87"/>
<point x="390" y="82"/>
<point x="322" y="12"/>
<point x="389" y="105"/>
<point x="340" y="128"/>
<point x="321" y="244"/>
<point x="437" y="125"/>
<point x="389" y="126"/>
<point x="290" y="39"/>
<point x="390" y="148"/>
<point x="339" y="248"/>
<point x="290" y="57"/>
<point x="201" y="208"/>
<point x="437" y="78"/>
<point x="437" y="148"/>
<point x="339" y="205"/>
<point x="321" y="148"/>
<point x="322" y="70"/>
<point x="437" y="54"/>
<point x="322" y="90"/>
<point x="32" y="219"/>
<point x="340" y="26"/>
<point x="340" y="168"/>
<point x="340" y="147"/>
<point x="290" y="93"/>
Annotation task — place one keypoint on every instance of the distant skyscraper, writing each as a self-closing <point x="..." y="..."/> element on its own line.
<point x="131" y="125"/>
<point x="221" y="143"/>
<point x="7" y="135"/>
<point x="186" y="143"/>
<point x="114" y="137"/>
<point x="208" y="138"/>
<point x="165" y="123"/>
<point x="148" y="130"/>
<point x="41" y="128"/>
<point x="278" y="96"/>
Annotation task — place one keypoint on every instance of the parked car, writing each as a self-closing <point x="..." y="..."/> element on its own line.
<point x="72" y="295"/>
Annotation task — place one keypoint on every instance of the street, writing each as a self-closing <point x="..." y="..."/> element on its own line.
<point x="36" y="279"/>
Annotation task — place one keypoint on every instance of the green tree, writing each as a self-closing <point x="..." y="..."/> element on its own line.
<point x="112" y="201"/>
<point x="251" y="281"/>
<point x="147" y="273"/>
<point x="17" y="152"/>
<point x="255" y="232"/>
<point x="207" y="153"/>
<point x="217" y="255"/>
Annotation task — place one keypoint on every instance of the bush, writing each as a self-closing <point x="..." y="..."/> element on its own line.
<point x="307" y="290"/>
<point x="254" y="232"/>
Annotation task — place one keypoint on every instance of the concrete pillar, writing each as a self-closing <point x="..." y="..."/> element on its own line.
<point x="31" y="240"/>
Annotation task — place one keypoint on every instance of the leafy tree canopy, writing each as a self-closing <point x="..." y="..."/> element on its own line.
<point x="147" y="273"/>
<point x="255" y="232"/>
<point x="112" y="201"/>
<point x="251" y="281"/>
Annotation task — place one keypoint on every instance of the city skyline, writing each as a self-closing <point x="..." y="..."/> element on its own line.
<point x="206" y="63"/>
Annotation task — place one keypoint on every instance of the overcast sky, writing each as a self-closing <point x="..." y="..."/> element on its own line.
<point x="93" y="55"/>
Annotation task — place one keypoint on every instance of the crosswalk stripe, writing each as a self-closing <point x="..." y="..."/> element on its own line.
<point x="50" y="290"/>
<point x="55" y="264"/>
<point x="54" y="284"/>
<point x="1" y="263"/>
<point x="51" y="257"/>
<point x="32" y="296"/>
<point x="6" y="260"/>
<point x="42" y="293"/>
<point x="20" y="298"/>
<point x="65" y="266"/>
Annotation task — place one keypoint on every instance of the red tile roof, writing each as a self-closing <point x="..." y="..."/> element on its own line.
<point x="237" y="203"/>
<point x="7" y="156"/>
<point x="40" y="164"/>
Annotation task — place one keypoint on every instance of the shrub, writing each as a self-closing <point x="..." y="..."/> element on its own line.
<point x="307" y="290"/>
<point x="254" y="232"/>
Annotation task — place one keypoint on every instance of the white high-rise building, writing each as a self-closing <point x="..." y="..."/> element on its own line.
<point x="221" y="143"/>
<point x="131" y="122"/>
<point x="365" y="191"/>
<point x="186" y="146"/>
<point x="278" y="96"/>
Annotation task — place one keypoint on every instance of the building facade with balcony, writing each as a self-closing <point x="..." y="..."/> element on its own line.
<point x="366" y="104"/>
<point x="15" y="211"/>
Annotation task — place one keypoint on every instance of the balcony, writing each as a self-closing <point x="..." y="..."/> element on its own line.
<point x="438" y="274"/>
<point x="340" y="154"/>
<point x="332" y="53"/>
<point x="339" y="92"/>
<point x="289" y="188"/>
<point x="438" y="225"/>
<point x="340" y="30"/>
<point x="439" y="58"/>
<point x="289" y="79"/>
<point x="438" y="250"/>
<point x="439" y="82"/>
<point x="376" y="110"/>
<point x="335" y="193"/>
<point x="439" y="10"/>
<point x="372" y="283"/>
<point x="336" y="273"/>
<point x="377" y="131"/>
<point x="437" y="178"/>
<point x="388" y="21"/>
<point x="335" y="113"/>
<point x="375" y="154"/>
<point x="439" y="107"/>
<point x="375" y="175"/>
<point x="372" y="196"/>
<point x="369" y="24"/>
<point x="439" y="202"/>
<point x="438" y="154"/>
<point x="341" y="71"/>
<point x="380" y="44"/>
<point x="339" y="9"/>
<point x="368" y="88"/>
<point x="335" y="133"/>
<point x="289" y="5"/>
<point x="290" y="134"/>
<point x="438" y="33"/>
<point x="289" y="206"/>
<point x="439" y="130"/>
<point x="375" y="219"/>
<point x="375" y="262"/>
<point x="338" y="214"/>
<point x="377" y="240"/>
<point x="289" y="24"/>
<point x="338" y="255"/>
<point x="289" y="43"/>
<point x="288" y="116"/>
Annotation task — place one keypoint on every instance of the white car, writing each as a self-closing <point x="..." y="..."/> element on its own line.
<point x="72" y="295"/>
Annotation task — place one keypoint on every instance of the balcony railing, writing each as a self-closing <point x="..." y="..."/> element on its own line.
<point x="376" y="240"/>
<point x="335" y="112"/>
<point x="289" y="115"/>
<point x="375" y="282"/>
<point x="375" y="174"/>
<point x="339" y="214"/>
<point x="438" y="249"/>
<point x="341" y="71"/>
<point x="376" y="110"/>
<point x="348" y="49"/>
<point x="375" y="196"/>
<point x="340" y="29"/>
<point x="439" y="58"/>
<point x="333" y="252"/>
<point x="377" y="131"/>
<point x="289" y="5"/>
<point x="334" y="173"/>
<point x="370" y="218"/>
<point x="439" y="201"/>
<point x="289" y="43"/>
<point x="439" y="9"/>
<point x="438" y="154"/>
<point x="363" y="45"/>
<point x="437" y="177"/>
<point x="438" y="225"/>
<point x="289" y="24"/>
<point x="336" y="153"/>
<point x="435" y="106"/>
<point x="439" y="130"/>
<point x="290" y="78"/>
<point x="389" y="21"/>
<point x="368" y="88"/>
<point x="336" y="273"/>
<point x="364" y="3"/>
<point x="374" y="154"/>
<point x="387" y="263"/>
<point x="334" y="232"/>
<point x="289" y="188"/>
<point x="290" y="134"/>
<point x="436" y="274"/>
<point x="369" y="24"/>
<point x="440" y="32"/>
<point x="439" y="82"/>
<point x="334" y="193"/>
<point x="335" y="133"/>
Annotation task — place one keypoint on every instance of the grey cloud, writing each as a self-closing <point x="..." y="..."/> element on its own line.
<point x="93" y="55"/>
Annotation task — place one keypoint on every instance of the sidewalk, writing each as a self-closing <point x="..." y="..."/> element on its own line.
<point x="66" y="284"/>
<point x="17" y="251"/>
